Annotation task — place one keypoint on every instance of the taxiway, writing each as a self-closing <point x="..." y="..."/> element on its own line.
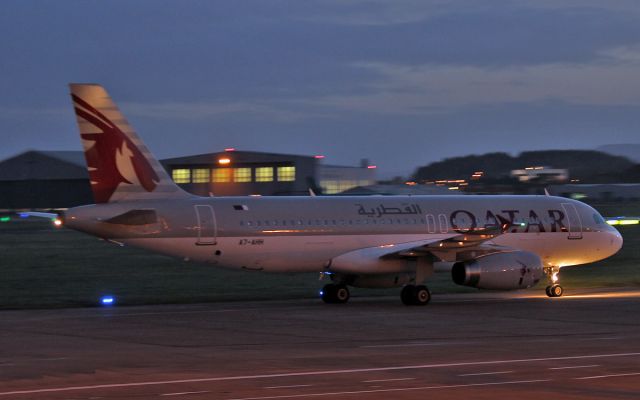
<point x="486" y="345"/>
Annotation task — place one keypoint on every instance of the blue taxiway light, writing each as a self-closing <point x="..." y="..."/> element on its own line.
<point x="107" y="300"/>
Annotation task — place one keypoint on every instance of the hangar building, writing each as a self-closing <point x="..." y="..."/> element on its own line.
<point x="241" y="173"/>
<point x="59" y="179"/>
<point x="43" y="180"/>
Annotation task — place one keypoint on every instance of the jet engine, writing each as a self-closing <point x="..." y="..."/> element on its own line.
<point x="501" y="271"/>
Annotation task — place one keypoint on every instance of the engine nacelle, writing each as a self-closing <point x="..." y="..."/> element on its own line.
<point x="501" y="271"/>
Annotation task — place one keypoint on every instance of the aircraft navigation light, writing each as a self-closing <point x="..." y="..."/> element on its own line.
<point x="230" y="149"/>
<point x="372" y="167"/>
<point x="319" y="157"/>
<point x="5" y="219"/>
<point x="224" y="161"/>
<point x="57" y="222"/>
<point x="107" y="300"/>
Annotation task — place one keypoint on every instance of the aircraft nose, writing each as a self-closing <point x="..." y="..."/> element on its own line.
<point x="616" y="241"/>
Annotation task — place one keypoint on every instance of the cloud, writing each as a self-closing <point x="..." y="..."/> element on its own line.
<point x="8" y="112"/>
<point x="626" y="54"/>
<point x="623" y="6"/>
<point x="377" y="12"/>
<point x="613" y="79"/>
<point x="216" y="110"/>
<point x="384" y="12"/>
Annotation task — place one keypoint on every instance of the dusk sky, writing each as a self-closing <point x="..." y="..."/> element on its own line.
<point x="402" y="83"/>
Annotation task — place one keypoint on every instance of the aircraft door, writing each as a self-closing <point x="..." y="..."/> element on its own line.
<point x="207" y="228"/>
<point x="574" y="221"/>
<point x="431" y="223"/>
<point x="444" y="224"/>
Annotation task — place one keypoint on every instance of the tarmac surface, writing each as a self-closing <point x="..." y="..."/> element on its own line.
<point x="521" y="345"/>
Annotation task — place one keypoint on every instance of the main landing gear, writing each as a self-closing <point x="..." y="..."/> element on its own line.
<point x="554" y="289"/>
<point x="335" y="293"/>
<point x="413" y="295"/>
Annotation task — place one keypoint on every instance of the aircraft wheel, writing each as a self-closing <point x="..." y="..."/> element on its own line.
<point x="555" y="290"/>
<point x="547" y="290"/>
<point x="335" y="294"/>
<point x="422" y="296"/>
<point x="342" y="294"/>
<point x="408" y="295"/>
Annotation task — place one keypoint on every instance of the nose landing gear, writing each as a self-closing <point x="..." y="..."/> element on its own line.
<point x="335" y="293"/>
<point x="554" y="289"/>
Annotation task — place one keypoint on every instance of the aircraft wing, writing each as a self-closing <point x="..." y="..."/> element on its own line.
<point x="453" y="248"/>
<point x="445" y="247"/>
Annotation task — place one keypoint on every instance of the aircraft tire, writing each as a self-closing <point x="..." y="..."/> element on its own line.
<point x="342" y="294"/>
<point x="556" y="291"/>
<point x="328" y="293"/>
<point x="335" y="294"/>
<point x="408" y="295"/>
<point x="422" y="296"/>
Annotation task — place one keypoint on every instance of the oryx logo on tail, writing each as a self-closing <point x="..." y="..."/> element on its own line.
<point x="111" y="156"/>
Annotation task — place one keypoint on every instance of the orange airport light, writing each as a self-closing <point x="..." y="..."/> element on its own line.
<point x="224" y="161"/>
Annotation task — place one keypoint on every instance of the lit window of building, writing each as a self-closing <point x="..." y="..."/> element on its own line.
<point x="264" y="174"/>
<point x="220" y="175"/>
<point x="286" y="174"/>
<point x="242" y="174"/>
<point x="200" y="175"/>
<point x="337" y="186"/>
<point x="181" y="175"/>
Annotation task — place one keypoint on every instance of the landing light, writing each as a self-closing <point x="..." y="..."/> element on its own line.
<point x="57" y="222"/>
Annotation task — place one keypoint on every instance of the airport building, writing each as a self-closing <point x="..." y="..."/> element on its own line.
<point x="245" y="173"/>
<point x="59" y="179"/>
<point x="44" y="180"/>
<point x="605" y="192"/>
<point x="541" y="174"/>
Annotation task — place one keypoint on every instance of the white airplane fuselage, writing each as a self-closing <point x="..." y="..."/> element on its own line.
<point x="301" y="234"/>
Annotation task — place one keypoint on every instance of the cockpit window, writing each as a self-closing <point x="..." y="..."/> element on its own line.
<point x="598" y="218"/>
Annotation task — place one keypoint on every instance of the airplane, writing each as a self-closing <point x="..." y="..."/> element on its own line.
<point x="498" y="242"/>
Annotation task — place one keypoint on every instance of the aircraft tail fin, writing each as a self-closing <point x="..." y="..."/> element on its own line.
<point x="120" y="165"/>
